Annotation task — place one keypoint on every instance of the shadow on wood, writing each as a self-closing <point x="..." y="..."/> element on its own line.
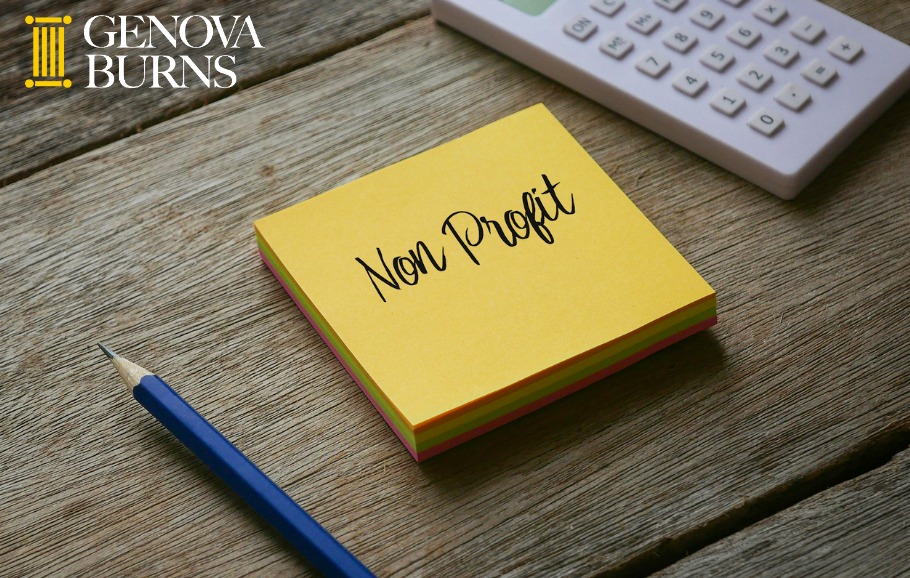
<point x="567" y="423"/>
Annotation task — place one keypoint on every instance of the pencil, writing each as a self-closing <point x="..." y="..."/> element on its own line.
<point x="238" y="472"/>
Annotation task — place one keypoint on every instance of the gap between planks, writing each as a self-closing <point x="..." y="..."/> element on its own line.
<point x="247" y="82"/>
<point x="866" y="457"/>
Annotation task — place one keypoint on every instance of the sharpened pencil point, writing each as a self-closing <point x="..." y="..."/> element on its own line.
<point x="110" y="354"/>
<point x="130" y="373"/>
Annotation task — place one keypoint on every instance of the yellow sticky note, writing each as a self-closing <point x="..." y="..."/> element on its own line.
<point x="482" y="276"/>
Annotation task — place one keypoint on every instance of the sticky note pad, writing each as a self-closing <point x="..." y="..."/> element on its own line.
<point x="472" y="283"/>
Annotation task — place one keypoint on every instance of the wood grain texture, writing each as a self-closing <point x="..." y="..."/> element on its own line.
<point x="62" y="123"/>
<point x="147" y="244"/>
<point x="859" y="528"/>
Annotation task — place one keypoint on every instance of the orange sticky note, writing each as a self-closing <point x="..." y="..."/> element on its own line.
<point x="474" y="282"/>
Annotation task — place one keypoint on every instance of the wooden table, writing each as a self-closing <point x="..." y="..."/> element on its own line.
<point x="771" y="444"/>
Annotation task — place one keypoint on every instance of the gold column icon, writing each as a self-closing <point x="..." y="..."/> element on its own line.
<point x="48" y="66"/>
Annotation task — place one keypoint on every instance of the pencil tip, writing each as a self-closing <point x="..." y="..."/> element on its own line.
<point x="110" y="354"/>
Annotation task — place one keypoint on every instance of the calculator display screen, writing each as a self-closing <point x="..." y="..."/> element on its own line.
<point x="532" y="7"/>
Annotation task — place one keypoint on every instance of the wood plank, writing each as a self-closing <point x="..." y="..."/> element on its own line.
<point x="859" y="528"/>
<point x="41" y="126"/>
<point x="147" y="243"/>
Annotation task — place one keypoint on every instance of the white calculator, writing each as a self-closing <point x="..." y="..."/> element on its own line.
<point x="771" y="90"/>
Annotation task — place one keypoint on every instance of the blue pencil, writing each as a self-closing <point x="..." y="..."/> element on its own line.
<point x="238" y="472"/>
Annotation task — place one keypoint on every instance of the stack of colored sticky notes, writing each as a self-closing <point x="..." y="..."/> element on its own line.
<point x="473" y="283"/>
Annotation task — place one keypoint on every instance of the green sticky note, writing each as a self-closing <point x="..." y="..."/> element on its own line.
<point x="531" y="7"/>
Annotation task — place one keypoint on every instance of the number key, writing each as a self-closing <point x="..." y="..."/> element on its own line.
<point x="707" y="17"/>
<point x="717" y="58"/>
<point x="754" y="77"/>
<point x="781" y="53"/>
<point x="744" y="34"/>
<point x="690" y="83"/>
<point x="680" y="40"/>
<point x="766" y="121"/>
<point x="653" y="64"/>
<point x="727" y="102"/>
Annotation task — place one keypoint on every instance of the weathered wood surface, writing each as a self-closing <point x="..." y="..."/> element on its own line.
<point x="859" y="528"/>
<point x="147" y="244"/>
<point x="40" y="126"/>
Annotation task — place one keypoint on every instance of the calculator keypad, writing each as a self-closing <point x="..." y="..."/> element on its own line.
<point x="780" y="51"/>
<point x="770" y="89"/>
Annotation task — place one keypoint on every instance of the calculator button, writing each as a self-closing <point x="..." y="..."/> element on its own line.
<point x="781" y="53"/>
<point x="608" y="7"/>
<point x="653" y="64"/>
<point x="672" y="5"/>
<point x="807" y="30"/>
<point x="690" y="83"/>
<point x="717" y="58"/>
<point x="793" y="96"/>
<point x="644" y="22"/>
<point x="754" y="77"/>
<point x="727" y="101"/>
<point x="744" y="34"/>
<point x="819" y="72"/>
<point x="735" y="2"/>
<point x="770" y="11"/>
<point x="680" y="40"/>
<point x="707" y="17"/>
<point x="616" y="46"/>
<point x="580" y="27"/>
<point x="766" y="122"/>
<point x="845" y="49"/>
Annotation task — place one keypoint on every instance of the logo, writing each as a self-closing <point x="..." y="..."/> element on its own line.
<point x="144" y="51"/>
<point x="48" y="60"/>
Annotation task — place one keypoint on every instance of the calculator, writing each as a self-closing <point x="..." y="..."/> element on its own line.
<point x="771" y="90"/>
